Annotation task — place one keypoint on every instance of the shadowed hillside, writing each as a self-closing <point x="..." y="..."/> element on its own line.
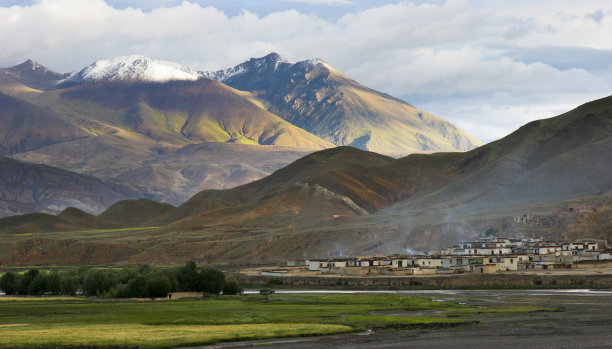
<point x="32" y="74"/>
<point x="26" y="126"/>
<point x="132" y="213"/>
<point x="51" y="190"/>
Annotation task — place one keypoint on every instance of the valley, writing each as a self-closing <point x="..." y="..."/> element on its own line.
<point x="345" y="201"/>
<point x="245" y="186"/>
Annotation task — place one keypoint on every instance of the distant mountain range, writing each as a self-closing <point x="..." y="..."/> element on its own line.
<point x="28" y="187"/>
<point x="125" y="120"/>
<point x="348" y="201"/>
<point x="310" y="94"/>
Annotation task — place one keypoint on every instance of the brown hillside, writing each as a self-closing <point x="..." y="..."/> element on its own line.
<point x="26" y="126"/>
<point x="200" y="111"/>
<point x="132" y="213"/>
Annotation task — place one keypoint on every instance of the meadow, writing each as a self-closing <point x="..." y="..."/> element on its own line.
<point x="73" y="321"/>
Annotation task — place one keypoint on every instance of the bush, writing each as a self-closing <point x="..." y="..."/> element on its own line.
<point x="275" y="282"/>
<point x="232" y="287"/>
<point x="38" y="286"/>
<point x="70" y="284"/>
<point x="144" y="269"/>
<point x="138" y="287"/>
<point x="10" y="283"/>
<point x="266" y="292"/>
<point x="188" y="277"/>
<point x="26" y="279"/>
<point x="211" y="280"/>
<point x="159" y="286"/>
<point x="119" y="291"/>
<point x="54" y="283"/>
<point x="97" y="283"/>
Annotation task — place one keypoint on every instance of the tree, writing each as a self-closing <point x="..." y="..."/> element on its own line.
<point x="138" y="286"/>
<point x="38" y="285"/>
<point x="144" y="269"/>
<point x="82" y="273"/>
<point x="26" y="279"/>
<point x="232" y="287"/>
<point x="54" y="283"/>
<point x="70" y="284"/>
<point x="188" y="277"/>
<point x="97" y="283"/>
<point x="10" y="283"/>
<point x="491" y="232"/>
<point x="171" y="275"/>
<point x="159" y="286"/>
<point x="211" y="280"/>
<point x="119" y="291"/>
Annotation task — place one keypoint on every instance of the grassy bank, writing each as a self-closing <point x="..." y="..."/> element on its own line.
<point x="59" y="321"/>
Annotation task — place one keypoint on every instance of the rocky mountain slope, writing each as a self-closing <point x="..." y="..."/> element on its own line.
<point x="315" y="96"/>
<point x="33" y="75"/>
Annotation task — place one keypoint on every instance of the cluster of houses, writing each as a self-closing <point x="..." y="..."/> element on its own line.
<point x="484" y="256"/>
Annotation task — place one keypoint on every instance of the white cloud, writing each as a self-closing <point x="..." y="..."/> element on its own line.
<point x="322" y="2"/>
<point x="484" y="65"/>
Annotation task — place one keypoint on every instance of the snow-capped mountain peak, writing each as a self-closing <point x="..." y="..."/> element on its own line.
<point x="34" y="66"/>
<point x="271" y="62"/>
<point x="267" y="64"/>
<point x="131" y="68"/>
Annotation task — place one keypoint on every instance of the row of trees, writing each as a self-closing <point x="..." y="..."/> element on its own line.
<point x="144" y="281"/>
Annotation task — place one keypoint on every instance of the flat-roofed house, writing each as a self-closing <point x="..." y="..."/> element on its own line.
<point x="317" y="265"/>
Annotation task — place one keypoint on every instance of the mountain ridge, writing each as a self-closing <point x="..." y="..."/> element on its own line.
<point x="310" y="94"/>
<point x="129" y="68"/>
<point x="317" y="97"/>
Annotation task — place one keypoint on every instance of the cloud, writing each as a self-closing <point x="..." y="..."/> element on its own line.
<point x="596" y="16"/>
<point x="487" y="66"/>
<point x="322" y="2"/>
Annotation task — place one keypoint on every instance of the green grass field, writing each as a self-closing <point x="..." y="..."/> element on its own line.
<point x="58" y="321"/>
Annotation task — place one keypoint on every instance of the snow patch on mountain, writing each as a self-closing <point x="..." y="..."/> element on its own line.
<point x="131" y="68"/>
<point x="270" y="63"/>
<point x="34" y="66"/>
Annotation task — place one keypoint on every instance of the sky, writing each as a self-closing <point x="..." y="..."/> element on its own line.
<point x="488" y="66"/>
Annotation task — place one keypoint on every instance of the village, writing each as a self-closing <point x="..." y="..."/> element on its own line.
<point x="487" y="255"/>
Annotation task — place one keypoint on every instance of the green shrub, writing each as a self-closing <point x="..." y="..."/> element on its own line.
<point x="10" y="283"/>
<point x="232" y="287"/>
<point x="211" y="280"/>
<point x="159" y="286"/>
